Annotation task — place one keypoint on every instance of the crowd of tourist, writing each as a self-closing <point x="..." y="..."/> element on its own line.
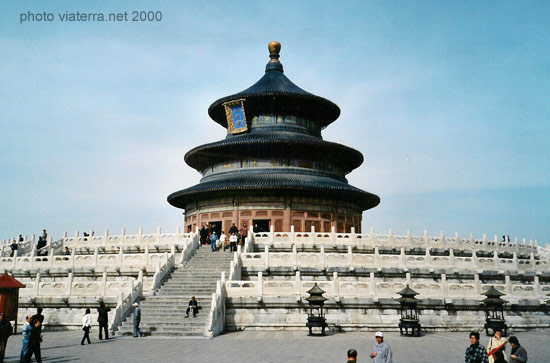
<point x="218" y="240"/>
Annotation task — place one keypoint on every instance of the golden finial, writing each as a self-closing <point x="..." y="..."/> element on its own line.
<point x="274" y="49"/>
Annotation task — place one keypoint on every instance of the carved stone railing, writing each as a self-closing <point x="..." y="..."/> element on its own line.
<point x="322" y="260"/>
<point x="163" y="270"/>
<point x="216" y="319"/>
<point x="375" y="289"/>
<point x="124" y="305"/>
<point x="343" y="240"/>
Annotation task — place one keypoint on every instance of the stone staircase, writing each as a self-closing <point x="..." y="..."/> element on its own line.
<point x="163" y="314"/>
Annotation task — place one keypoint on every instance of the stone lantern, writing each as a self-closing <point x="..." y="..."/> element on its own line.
<point x="494" y="313"/>
<point x="316" y="318"/>
<point x="409" y="311"/>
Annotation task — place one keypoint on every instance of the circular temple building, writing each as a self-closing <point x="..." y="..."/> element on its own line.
<point x="274" y="168"/>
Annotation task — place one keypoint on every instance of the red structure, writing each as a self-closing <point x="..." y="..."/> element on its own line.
<point x="9" y="297"/>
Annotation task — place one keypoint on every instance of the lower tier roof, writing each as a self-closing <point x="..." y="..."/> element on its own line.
<point x="279" y="184"/>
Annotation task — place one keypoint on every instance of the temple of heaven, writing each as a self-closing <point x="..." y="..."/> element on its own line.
<point x="274" y="168"/>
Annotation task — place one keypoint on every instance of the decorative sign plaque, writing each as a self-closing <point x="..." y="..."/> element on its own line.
<point x="236" y="119"/>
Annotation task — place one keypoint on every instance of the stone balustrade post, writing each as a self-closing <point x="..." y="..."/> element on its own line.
<point x="409" y="238"/>
<point x="333" y="234"/>
<point x="106" y="239"/>
<point x="295" y="257"/>
<point x="14" y="260"/>
<point x="70" y="284"/>
<point x="372" y="286"/>
<point x="452" y="257"/>
<point x="260" y="286"/>
<point x="507" y="286"/>
<point x="122" y="237"/>
<point x="475" y="260"/>
<point x="103" y="283"/>
<point x="266" y="257"/>
<point x="515" y="260"/>
<point x="146" y="255"/>
<point x="402" y="257"/>
<point x="372" y="237"/>
<point x="37" y="284"/>
<point x="73" y="255"/>
<point x="428" y="258"/>
<point x="350" y="259"/>
<point x="292" y="234"/>
<point x="457" y="239"/>
<point x="313" y="237"/>
<point x="408" y="278"/>
<point x="298" y="286"/>
<point x="353" y="236"/>
<point x="140" y="237"/>
<point x="538" y="288"/>
<point x="496" y="260"/>
<point x="159" y="232"/>
<point x="442" y="239"/>
<point x="140" y="277"/>
<point x="336" y="286"/>
<point x="323" y="258"/>
<point x="426" y="238"/>
<point x="444" y="287"/>
<point x="50" y="246"/>
<point x="477" y="284"/>
<point x="96" y="252"/>
<point x="271" y="234"/>
<point x="377" y="259"/>
<point x="120" y="256"/>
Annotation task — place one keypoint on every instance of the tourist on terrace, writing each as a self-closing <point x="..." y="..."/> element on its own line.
<point x="233" y="229"/>
<point x="137" y="320"/>
<point x="496" y="343"/>
<point x="518" y="353"/>
<point x="203" y="235"/>
<point x="13" y="247"/>
<point x="213" y="241"/>
<point x="21" y="239"/>
<point x="352" y="356"/>
<point x="67" y="251"/>
<point x="381" y="351"/>
<point x="103" y="320"/>
<point x="86" y="326"/>
<point x="233" y="242"/>
<point x="244" y="232"/>
<point x="222" y="240"/>
<point x="476" y="352"/>
<point x="192" y="307"/>
<point x="5" y="331"/>
<point x="26" y="333"/>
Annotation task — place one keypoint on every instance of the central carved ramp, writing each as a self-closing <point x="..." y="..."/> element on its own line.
<point x="164" y="313"/>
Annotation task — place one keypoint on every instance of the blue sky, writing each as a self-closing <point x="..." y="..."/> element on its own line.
<point x="447" y="101"/>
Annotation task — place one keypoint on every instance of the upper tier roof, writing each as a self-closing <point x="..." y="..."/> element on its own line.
<point x="275" y="94"/>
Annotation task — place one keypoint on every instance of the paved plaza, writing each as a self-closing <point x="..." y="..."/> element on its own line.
<point x="262" y="346"/>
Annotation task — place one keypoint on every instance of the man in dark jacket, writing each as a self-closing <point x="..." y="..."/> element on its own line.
<point x="476" y="353"/>
<point x="38" y="316"/>
<point x="518" y="353"/>
<point x="5" y="332"/>
<point x="233" y="229"/>
<point x="103" y="320"/>
<point x="203" y="235"/>
<point x="36" y="338"/>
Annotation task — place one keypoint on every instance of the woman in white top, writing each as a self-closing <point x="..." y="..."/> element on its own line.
<point x="86" y="326"/>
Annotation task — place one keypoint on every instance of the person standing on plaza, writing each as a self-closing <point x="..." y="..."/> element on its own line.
<point x="5" y="331"/>
<point x="38" y="316"/>
<point x="381" y="351"/>
<point x="26" y="333"/>
<point x="34" y="344"/>
<point x="476" y="353"/>
<point x="244" y="232"/>
<point x="233" y="242"/>
<point x="352" y="356"/>
<point x="496" y="343"/>
<point x="103" y="320"/>
<point x="213" y="241"/>
<point x="137" y="320"/>
<point x="518" y="354"/>
<point x="86" y="326"/>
